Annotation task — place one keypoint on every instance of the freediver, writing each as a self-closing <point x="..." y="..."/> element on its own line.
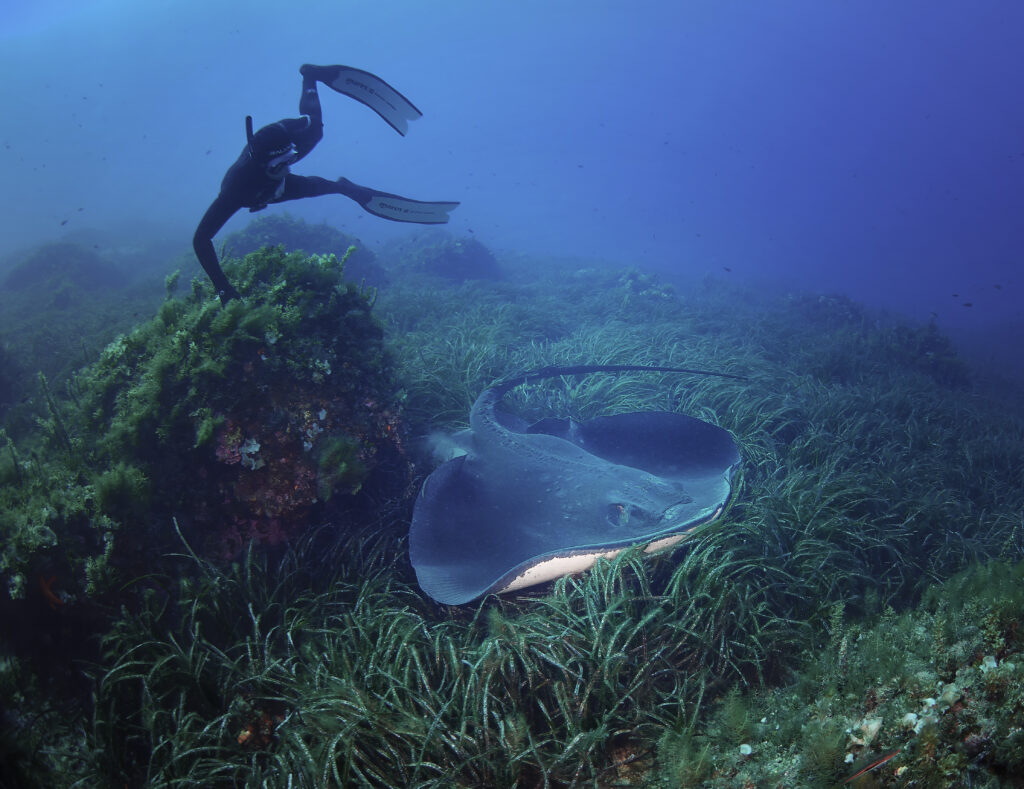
<point x="261" y="174"/>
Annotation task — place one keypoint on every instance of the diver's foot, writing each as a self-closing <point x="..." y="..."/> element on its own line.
<point x="318" y="73"/>
<point x="360" y="194"/>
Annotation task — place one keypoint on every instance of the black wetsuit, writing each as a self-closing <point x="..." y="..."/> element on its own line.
<point x="249" y="183"/>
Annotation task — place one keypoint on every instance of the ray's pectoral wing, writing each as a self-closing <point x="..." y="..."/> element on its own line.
<point x="527" y="510"/>
<point x="460" y="541"/>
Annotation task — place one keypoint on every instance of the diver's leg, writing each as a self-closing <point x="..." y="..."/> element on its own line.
<point x="382" y="204"/>
<point x="311" y="131"/>
<point x="309" y="101"/>
<point x="324" y="74"/>
<point x="297" y="187"/>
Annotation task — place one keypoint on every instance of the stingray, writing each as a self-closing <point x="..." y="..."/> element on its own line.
<point x="527" y="504"/>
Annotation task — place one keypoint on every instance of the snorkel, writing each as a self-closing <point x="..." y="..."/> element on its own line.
<point x="248" y="133"/>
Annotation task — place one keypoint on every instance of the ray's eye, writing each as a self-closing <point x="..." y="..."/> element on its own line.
<point x="618" y="514"/>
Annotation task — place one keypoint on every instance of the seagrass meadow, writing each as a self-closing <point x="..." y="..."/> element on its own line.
<point x="855" y="612"/>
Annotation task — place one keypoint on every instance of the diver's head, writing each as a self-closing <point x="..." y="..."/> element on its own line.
<point x="272" y="147"/>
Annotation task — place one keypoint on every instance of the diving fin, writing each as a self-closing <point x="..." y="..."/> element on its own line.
<point x="396" y="208"/>
<point x="402" y="209"/>
<point x="369" y="89"/>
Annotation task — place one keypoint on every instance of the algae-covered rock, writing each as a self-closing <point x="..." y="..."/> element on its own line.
<point x="442" y="255"/>
<point x="248" y="422"/>
<point x="60" y="303"/>
<point x="60" y="267"/>
<point x="9" y="372"/>
<point x="297" y="235"/>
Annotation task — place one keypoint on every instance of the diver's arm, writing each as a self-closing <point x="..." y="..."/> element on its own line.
<point x="216" y="216"/>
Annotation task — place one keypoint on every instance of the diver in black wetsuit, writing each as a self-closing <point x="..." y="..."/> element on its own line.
<point x="261" y="175"/>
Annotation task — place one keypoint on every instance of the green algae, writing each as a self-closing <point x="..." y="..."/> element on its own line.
<point x="339" y="467"/>
<point x="922" y="687"/>
<point x="152" y="403"/>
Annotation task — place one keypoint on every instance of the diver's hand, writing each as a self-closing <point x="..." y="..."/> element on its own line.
<point x="227" y="293"/>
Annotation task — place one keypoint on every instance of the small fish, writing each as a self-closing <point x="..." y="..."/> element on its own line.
<point x="872" y="766"/>
<point x="968" y="303"/>
<point x="63" y="223"/>
<point x="46" y="587"/>
<point x="726" y="268"/>
<point x="997" y="286"/>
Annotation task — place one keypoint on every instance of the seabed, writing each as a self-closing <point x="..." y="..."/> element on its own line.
<point x="205" y="512"/>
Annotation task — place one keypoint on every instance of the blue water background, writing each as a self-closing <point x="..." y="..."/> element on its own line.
<point x="870" y="148"/>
